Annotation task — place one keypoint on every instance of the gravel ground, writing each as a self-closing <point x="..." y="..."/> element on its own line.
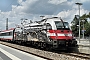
<point x="51" y="55"/>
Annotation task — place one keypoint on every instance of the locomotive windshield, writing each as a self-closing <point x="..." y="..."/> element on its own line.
<point x="60" y="25"/>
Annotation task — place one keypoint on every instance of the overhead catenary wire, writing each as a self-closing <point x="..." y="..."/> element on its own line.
<point x="8" y="7"/>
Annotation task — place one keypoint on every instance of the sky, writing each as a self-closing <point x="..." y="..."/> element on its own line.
<point x="15" y="10"/>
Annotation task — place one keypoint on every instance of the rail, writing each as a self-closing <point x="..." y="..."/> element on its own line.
<point x="48" y="54"/>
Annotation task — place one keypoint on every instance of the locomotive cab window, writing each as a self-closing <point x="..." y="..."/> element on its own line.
<point x="59" y="25"/>
<point x="66" y="25"/>
<point x="62" y="25"/>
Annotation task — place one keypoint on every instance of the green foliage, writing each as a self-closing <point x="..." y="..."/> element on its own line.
<point x="75" y="25"/>
<point x="87" y="28"/>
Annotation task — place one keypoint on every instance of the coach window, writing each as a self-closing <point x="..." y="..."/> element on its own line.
<point x="7" y="33"/>
<point x="2" y="34"/>
<point x="10" y="33"/>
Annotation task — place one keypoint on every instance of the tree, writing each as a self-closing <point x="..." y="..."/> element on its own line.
<point x="87" y="28"/>
<point x="88" y="16"/>
<point x="75" y="25"/>
<point x="75" y="28"/>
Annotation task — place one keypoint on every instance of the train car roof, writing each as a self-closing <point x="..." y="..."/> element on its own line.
<point x="7" y="30"/>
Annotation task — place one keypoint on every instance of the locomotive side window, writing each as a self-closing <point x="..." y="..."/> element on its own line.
<point x="49" y="27"/>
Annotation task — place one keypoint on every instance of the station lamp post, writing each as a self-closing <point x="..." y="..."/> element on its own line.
<point x="83" y="28"/>
<point x="7" y="24"/>
<point x="79" y="4"/>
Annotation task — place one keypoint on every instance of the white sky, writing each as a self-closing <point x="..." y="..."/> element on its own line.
<point x="15" y="10"/>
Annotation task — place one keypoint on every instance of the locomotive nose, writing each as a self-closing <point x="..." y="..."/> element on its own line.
<point x="62" y="31"/>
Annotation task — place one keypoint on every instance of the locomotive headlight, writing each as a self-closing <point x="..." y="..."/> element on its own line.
<point x="51" y="34"/>
<point x="66" y="42"/>
<point x="69" y="34"/>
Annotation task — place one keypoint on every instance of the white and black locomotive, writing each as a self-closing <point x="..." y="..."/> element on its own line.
<point x="50" y="32"/>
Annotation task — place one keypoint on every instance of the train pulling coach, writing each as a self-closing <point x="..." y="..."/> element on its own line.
<point x="49" y="32"/>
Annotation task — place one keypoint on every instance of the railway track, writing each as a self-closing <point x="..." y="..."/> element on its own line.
<point x="79" y="55"/>
<point x="75" y="54"/>
<point x="82" y="55"/>
<point x="49" y="55"/>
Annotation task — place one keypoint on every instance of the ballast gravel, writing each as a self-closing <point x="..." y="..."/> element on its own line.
<point x="51" y="55"/>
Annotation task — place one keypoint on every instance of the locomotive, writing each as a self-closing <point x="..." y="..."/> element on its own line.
<point x="49" y="32"/>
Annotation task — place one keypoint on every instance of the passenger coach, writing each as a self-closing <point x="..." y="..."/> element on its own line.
<point x="7" y="34"/>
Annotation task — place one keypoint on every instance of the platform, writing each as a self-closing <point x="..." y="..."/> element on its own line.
<point x="84" y="45"/>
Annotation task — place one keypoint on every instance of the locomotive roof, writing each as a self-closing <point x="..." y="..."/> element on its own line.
<point x="52" y="18"/>
<point x="34" y="24"/>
